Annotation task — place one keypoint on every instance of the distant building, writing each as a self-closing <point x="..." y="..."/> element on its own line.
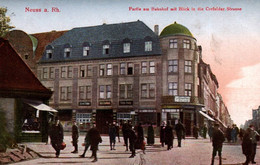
<point x="31" y="46"/>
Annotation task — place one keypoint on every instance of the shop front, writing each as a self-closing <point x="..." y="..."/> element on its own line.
<point x="35" y="116"/>
<point x="187" y="115"/>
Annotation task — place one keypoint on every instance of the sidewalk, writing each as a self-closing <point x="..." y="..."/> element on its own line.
<point x="105" y="155"/>
<point x="193" y="152"/>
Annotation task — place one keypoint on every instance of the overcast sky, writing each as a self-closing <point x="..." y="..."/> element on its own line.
<point x="230" y="39"/>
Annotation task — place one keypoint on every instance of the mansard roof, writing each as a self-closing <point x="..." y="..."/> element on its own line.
<point x="113" y="34"/>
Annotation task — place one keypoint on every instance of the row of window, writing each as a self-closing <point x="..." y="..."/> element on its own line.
<point x="126" y="68"/>
<point x="125" y="91"/>
<point x="173" y="89"/>
<point x="173" y="43"/>
<point x="105" y="51"/>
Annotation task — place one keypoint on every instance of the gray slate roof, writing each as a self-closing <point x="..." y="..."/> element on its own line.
<point x="137" y="32"/>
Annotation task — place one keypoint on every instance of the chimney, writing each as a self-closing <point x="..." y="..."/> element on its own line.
<point x="156" y="29"/>
<point x="200" y="51"/>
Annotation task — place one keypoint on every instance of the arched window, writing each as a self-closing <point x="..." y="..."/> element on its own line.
<point x="106" y="47"/>
<point x="126" y="45"/>
<point x="148" y="44"/>
<point x="67" y="50"/>
<point x="86" y="46"/>
<point x="49" y="51"/>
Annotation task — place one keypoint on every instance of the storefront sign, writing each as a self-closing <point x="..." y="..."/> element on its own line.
<point x="105" y="103"/>
<point x="84" y="103"/>
<point x="182" y="99"/>
<point x="125" y="102"/>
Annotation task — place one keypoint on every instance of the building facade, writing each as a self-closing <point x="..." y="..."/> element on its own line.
<point x="126" y="71"/>
<point x="100" y="77"/>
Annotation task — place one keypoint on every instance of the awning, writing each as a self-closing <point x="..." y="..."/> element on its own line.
<point x="39" y="105"/>
<point x="207" y="116"/>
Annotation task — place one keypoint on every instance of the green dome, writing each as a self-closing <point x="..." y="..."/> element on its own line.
<point x="175" y="29"/>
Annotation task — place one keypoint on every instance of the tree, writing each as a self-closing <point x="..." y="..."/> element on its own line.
<point x="4" y="22"/>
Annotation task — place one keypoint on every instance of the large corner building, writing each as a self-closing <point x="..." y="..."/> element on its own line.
<point x="126" y="71"/>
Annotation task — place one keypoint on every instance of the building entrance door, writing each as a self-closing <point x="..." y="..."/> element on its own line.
<point x="103" y="118"/>
<point x="187" y="123"/>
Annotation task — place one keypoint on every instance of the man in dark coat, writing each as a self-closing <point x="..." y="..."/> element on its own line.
<point x="125" y="129"/>
<point x="86" y="144"/>
<point x="56" y="136"/>
<point x="75" y="137"/>
<point x="168" y="136"/>
<point x="228" y="133"/>
<point x="117" y="131"/>
<point x="95" y="139"/>
<point x="218" y="139"/>
<point x="112" y="136"/>
<point x="150" y="135"/>
<point x="195" y="131"/>
<point x="249" y="144"/>
<point x="180" y="130"/>
<point x="132" y="140"/>
<point x="140" y="137"/>
<point x="204" y="131"/>
<point x="162" y="134"/>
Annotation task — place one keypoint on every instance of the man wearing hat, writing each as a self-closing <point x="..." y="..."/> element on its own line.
<point x="218" y="139"/>
<point x="56" y="135"/>
<point x="249" y="144"/>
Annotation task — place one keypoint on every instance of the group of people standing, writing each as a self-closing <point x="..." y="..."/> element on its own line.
<point x="134" y="138"/>
<point x="167" y="136"/>
<point x="92" y="139"/>
<point x="233" y="132"/>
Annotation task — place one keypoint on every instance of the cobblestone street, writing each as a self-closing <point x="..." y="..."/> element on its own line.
<point x="192" y="152"/>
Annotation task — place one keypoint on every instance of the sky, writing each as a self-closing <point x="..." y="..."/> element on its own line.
<point x="230" y="40"/>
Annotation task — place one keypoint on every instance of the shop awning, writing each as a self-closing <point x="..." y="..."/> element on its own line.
<point x="39" y="106"/>
<point x="207" y="116"/>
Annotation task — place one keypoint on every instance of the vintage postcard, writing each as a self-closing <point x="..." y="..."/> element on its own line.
<point x="130" y="82"/>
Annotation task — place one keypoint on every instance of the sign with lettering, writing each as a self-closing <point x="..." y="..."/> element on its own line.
<point x="84" y="103"/>
<point x="182" y="99"/>
<point x="125" y="102"/>
<point x="105" y="103"/>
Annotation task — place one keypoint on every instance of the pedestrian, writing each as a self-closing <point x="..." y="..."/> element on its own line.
<point x="140" y="137"/>
<point x="117" y="132"/>
<point x="210" y="132"/>
<point x="95" y="139"/>
<point x="132" y="140"/>
<point x="237" y="132"/>
<point x="125" y="129"/>
<point x="249" y="144"/>
<point x="56" y="136"/>
<point x="86" y="144"/>
<point x="204" y="131"/>
<point x="169" y="136"/>
<point x="150" y="135"/>
<point x="218" y="139"/>
<point x="112" y="136"/>
<point x="162" y="133"/>
<point x="48" y="129"/>
<point x="180" y="130"/>
<point x="228" y="133"/>
<point x="195" y="131"/>
<point x="234" y="133"/>
<point x="75" y="137"/>
<point x="241" y="134"/>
